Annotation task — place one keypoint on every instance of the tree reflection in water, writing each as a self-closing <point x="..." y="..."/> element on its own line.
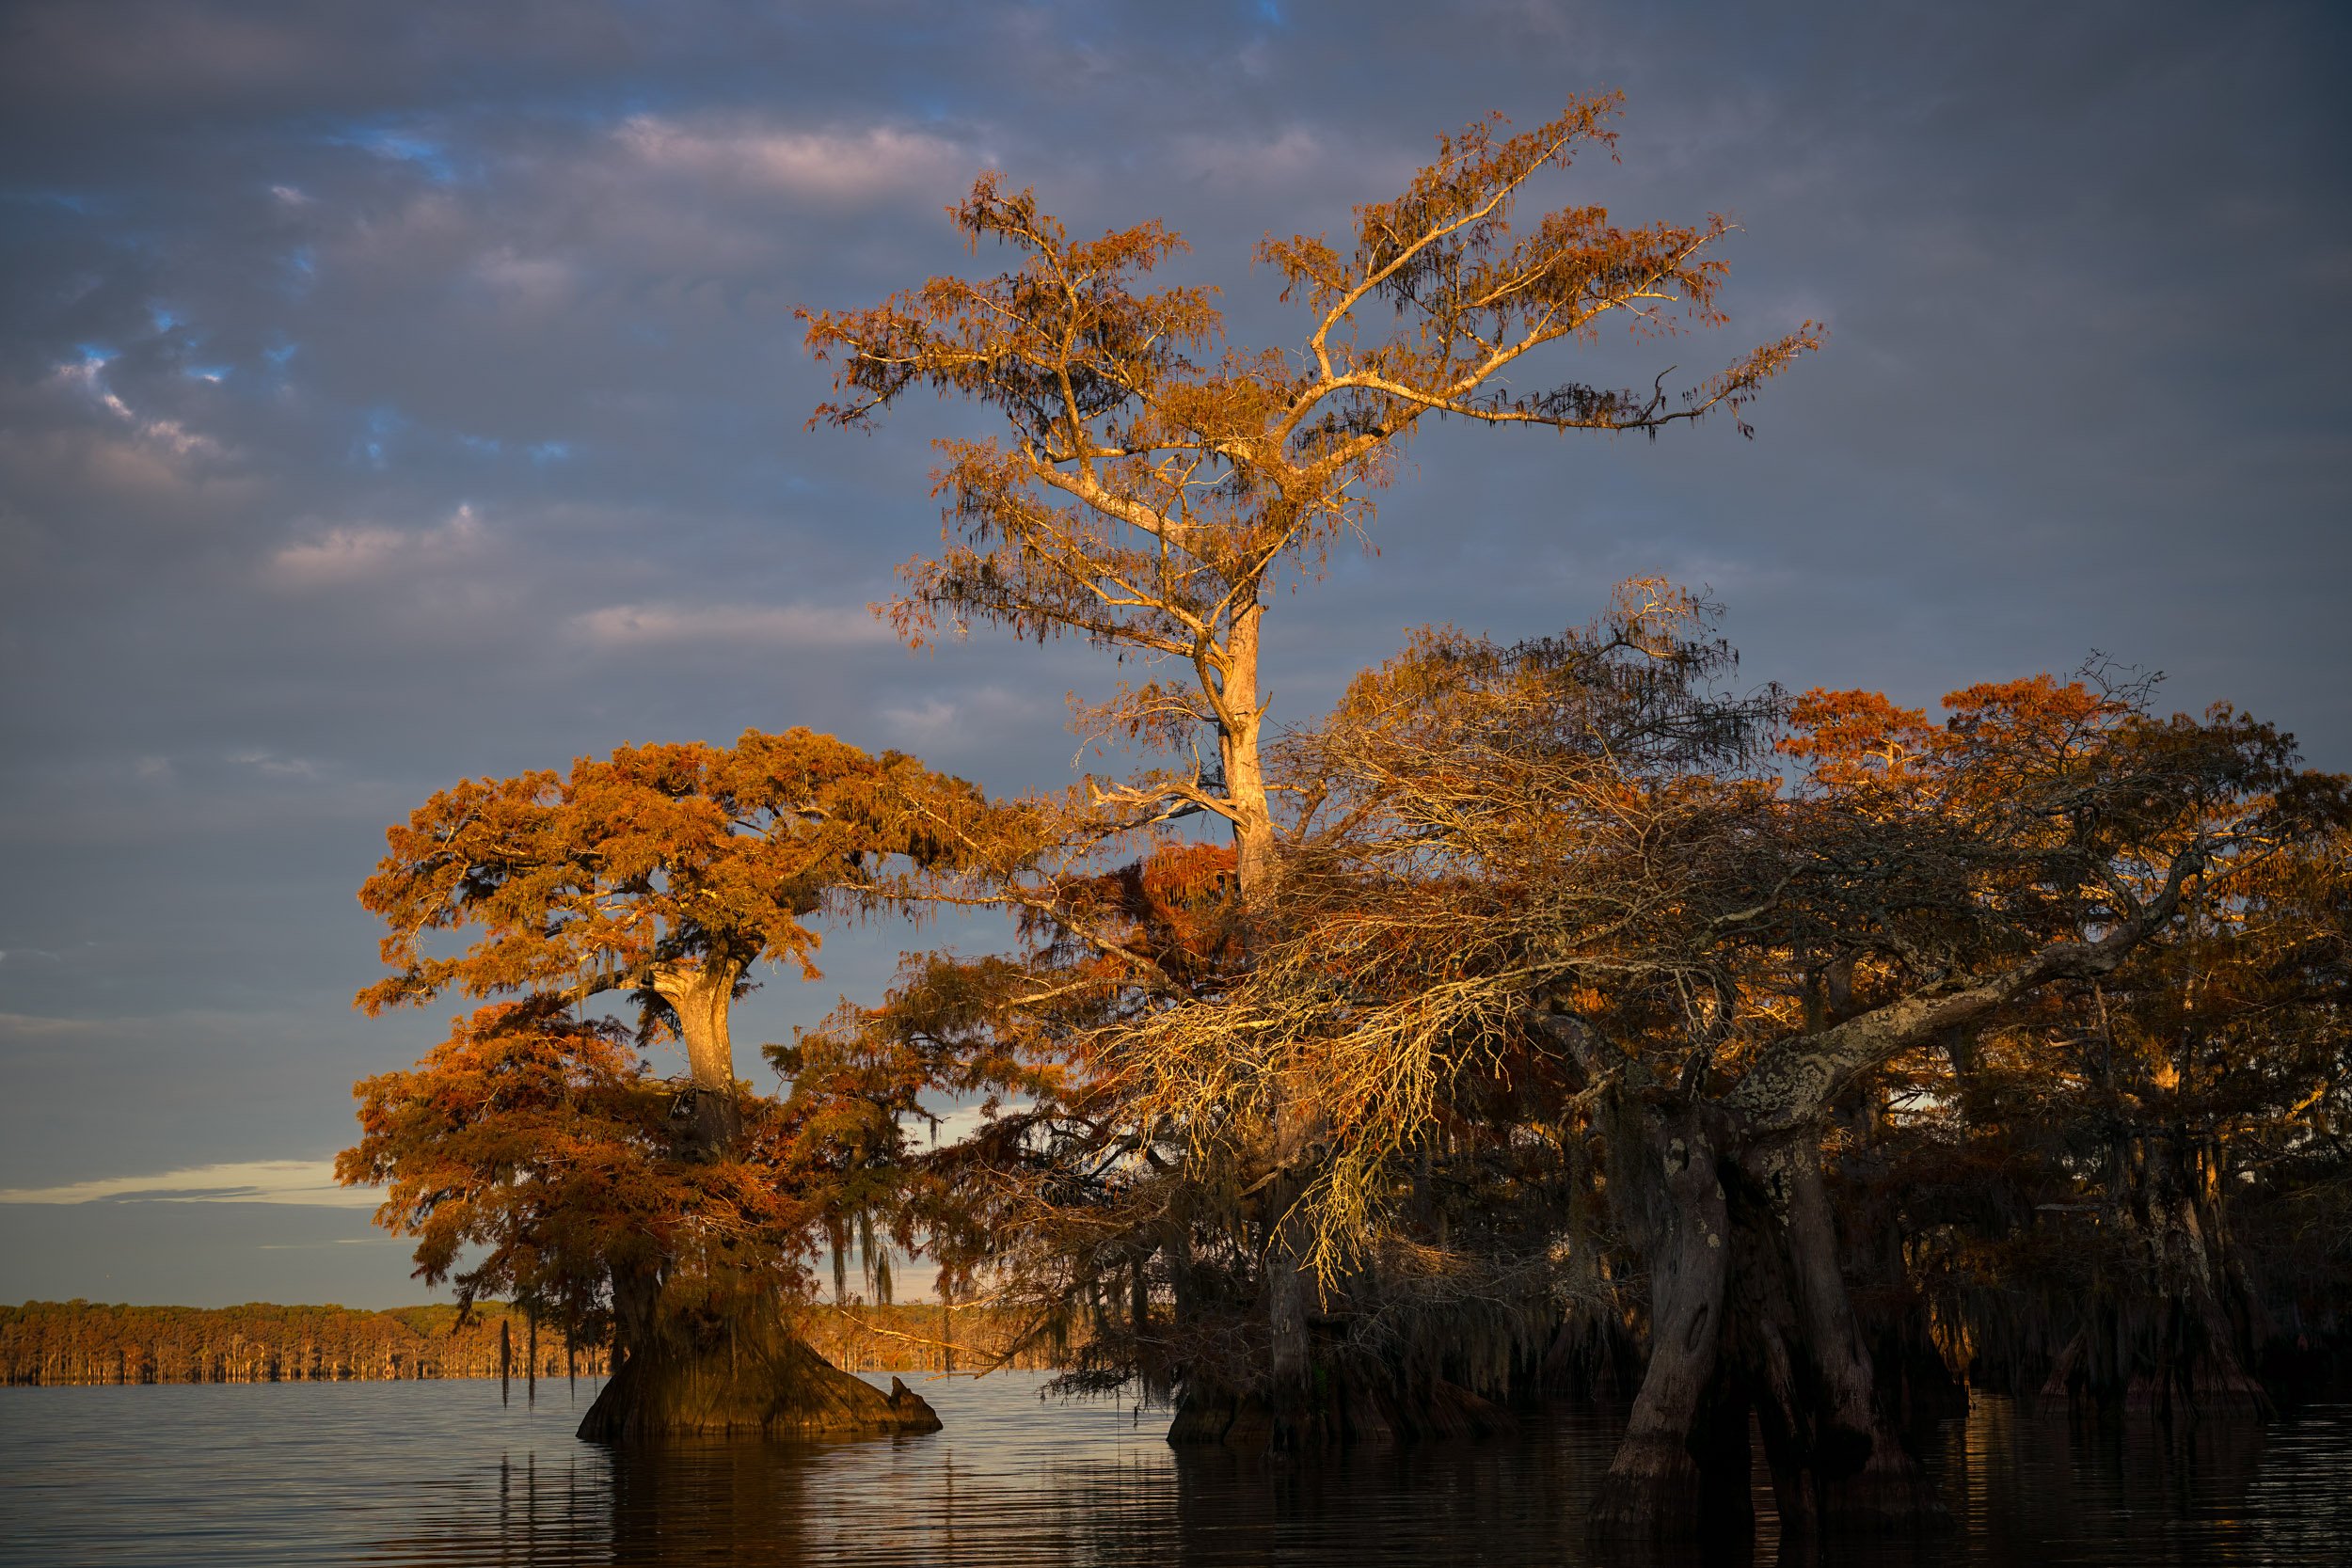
<point x="438" y="1475"/>
<point x="1014" y="1480"/>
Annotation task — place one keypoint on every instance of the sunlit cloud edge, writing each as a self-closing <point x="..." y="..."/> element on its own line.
<point x="309" y="1183"/>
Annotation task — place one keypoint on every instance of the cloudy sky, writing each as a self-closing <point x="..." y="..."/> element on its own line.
<point x="397" y="392"/>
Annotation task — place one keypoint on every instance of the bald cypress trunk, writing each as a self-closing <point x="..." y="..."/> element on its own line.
<point x="1238" y="758"/>
<point x="1294" y="1422"/>
<point x="700" y="1349"/>
<point x="1668" y="1475"/>
<point x="2174" y="1335"/>
<point x="1864" y="1480"/>
<point x="1788" y="1335"/>
<point x="1749" y="1313"/>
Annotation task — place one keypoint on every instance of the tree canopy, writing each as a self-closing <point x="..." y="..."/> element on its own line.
<point x="1153" y="482"/>
<point x="665" y="871"/>
<point x="1584" y="966"/>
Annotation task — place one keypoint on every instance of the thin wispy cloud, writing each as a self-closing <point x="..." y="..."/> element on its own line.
<point x="672" y="625"/>
<point x="837" y="164"/>
<point x="359" y="550"/>
<point x="301" y="1181"/>
<point x="541" y="281"/>
<point x="1290" y="158"/>
<point x="87" y="377"/>
<point x="270" y="765"/>
<point x="958" y="718"/>
<point x="30" y="1026"/>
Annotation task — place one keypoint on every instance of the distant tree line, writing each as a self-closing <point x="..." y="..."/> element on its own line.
<point x="89" y="1342"/>
<point x="80" y="1341"/>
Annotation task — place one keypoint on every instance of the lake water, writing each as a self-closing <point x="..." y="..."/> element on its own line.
<point x="437" y="1474"/>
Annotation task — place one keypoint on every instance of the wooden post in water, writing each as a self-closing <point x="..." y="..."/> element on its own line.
<point x="506" y="1356"/>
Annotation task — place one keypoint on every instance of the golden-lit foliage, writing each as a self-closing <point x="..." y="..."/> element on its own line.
<point x="1492" y="828"/>
<point x="1541" y="906"/>
<point x="1528" y="873"/>
<point x="671" y="855"/>
<point x="540" y="1140"/>
<point x="1153" y="482"/>
<point x="532" y="1153"/>
<point x="1560" y="924"/>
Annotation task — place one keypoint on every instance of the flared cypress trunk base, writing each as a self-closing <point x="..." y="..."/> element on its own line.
<point x="776" y="1387"/>
<point x="1889" y="1495"/>
<point x="1654" y="1492"/>
<point x="2162" y="1366"/>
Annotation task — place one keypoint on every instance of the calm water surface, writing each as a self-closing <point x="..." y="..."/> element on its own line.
<point x="437" y="1474"/>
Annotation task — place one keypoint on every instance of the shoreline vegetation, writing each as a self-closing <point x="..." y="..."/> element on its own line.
<point x="91" y="1343"/>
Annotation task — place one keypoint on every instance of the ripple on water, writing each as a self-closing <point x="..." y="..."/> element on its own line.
<point x="437" y="1474"/>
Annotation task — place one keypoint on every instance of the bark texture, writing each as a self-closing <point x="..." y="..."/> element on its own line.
<point x="1749" y="1315"/>
<point x="1233" y="693"/>
<point x="1657" y="1482"/>
<point x="699" y="998"/>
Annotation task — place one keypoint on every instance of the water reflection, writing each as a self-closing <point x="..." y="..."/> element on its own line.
<point x="438" y="1475"/>
<point x="2040" y="1487"/>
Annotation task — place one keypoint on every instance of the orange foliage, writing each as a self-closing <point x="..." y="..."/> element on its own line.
<point x="532" y="1153"/>
<point x="1150" y="483"/>
<point x="657" y="855"/>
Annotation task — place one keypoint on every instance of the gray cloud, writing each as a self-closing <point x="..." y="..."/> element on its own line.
<point x="400" y="392"/>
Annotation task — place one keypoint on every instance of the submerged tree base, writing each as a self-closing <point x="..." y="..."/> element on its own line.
<point x="1343" y="1416"/>
<point x="1889" y="1495"/>
<point x="778" y="1387"/>
<point x="1655" y="1492"/>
